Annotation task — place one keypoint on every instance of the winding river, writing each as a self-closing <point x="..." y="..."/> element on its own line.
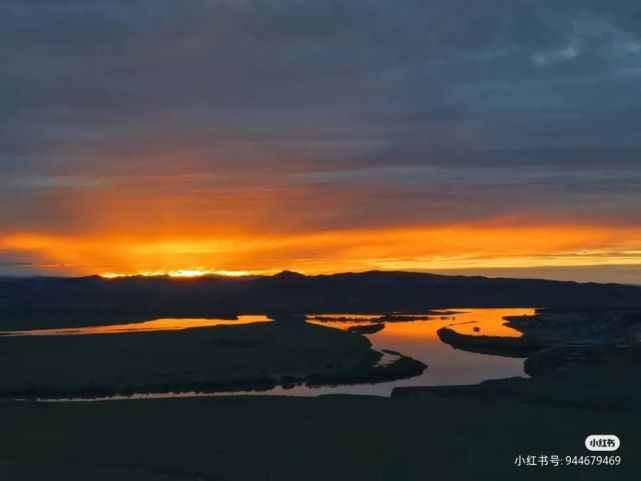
<point x="415" y="338"/>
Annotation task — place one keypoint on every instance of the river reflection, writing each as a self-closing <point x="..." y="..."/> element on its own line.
<point x="414" y="338"/>
<point x="169" y="324"/>
<point x="419" y="339"/>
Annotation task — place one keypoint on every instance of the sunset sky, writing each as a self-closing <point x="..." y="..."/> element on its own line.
<point x="244" y="136"/>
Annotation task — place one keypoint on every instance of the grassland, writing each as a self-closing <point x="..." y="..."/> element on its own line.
<point x="310" y="439"/>
<point x="255" y="356"/>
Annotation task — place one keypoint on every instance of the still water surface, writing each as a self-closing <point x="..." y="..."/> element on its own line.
<point x="168" y="324"/>
<point x="414" y="338"/>
<point x="446" y="365"/>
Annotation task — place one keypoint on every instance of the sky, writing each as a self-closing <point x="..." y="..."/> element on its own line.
<point x="250" y="136"/>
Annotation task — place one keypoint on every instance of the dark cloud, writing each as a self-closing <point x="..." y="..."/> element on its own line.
<point x="13" y="263"/>
<point x="408" y="112"/>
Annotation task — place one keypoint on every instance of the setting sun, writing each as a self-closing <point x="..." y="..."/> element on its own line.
<point x="188" y="273"/>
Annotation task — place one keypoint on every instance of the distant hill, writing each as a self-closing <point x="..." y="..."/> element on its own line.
<point x="292" y="292"/>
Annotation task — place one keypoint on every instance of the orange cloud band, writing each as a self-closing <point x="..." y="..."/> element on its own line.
<point x="418" y="248"/>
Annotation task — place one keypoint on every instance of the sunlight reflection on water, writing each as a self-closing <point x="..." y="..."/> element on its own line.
<point x="414" y="338"/>
<point x="168" y="324"/>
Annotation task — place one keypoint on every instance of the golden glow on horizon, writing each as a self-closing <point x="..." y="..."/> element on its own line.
<point x="187" y="273"/>
<point x="487" y="245"/>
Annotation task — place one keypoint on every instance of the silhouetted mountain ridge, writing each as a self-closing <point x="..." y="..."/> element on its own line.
<point x="374" y="291"/>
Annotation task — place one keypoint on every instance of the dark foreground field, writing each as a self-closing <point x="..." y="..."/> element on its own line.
<point x="584" y="368"/>
<point x="330" y="438"/>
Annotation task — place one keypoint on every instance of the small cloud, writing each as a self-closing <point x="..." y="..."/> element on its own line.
<point x="550" y="57"/>
<point x="15" y="264"/>
<point x="628" y="47"/>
